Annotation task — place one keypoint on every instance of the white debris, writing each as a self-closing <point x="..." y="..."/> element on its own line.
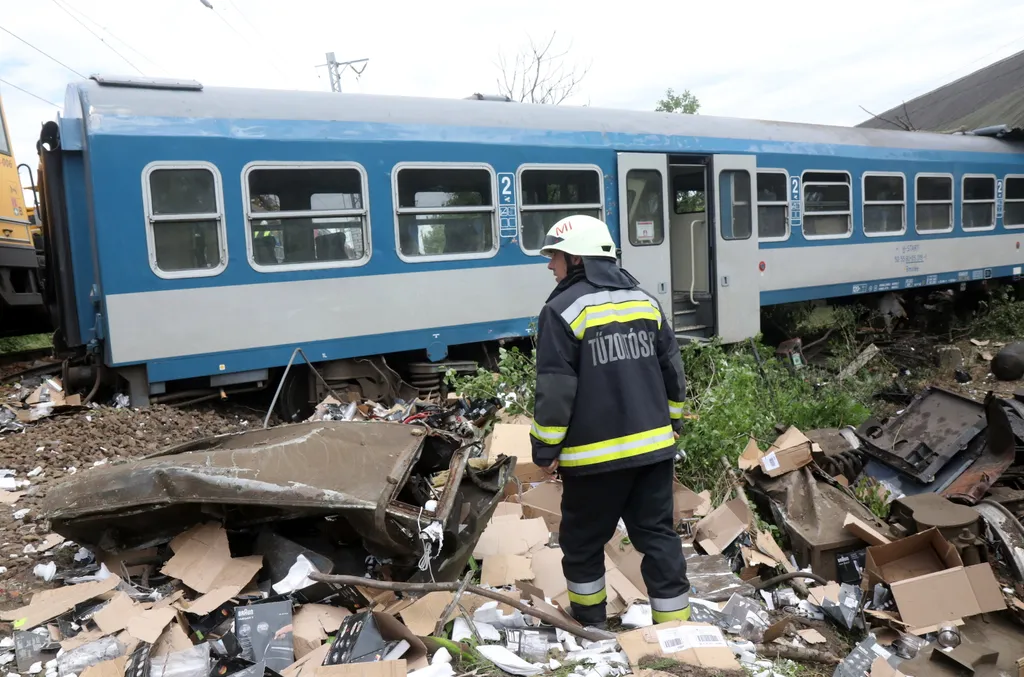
<point x="508" y="661"/>
<point x="38" y="470"/>
<point x="297" y="578"/>
<point x="71" y="470"/>
<point x="20" y="514"/>
<point x="434" y="670"/>
<point x="83" y="555"/>
<point x="100" y="462"/>
<point x="7" y="642"/>
<point x="638" y="615"/>
<point x="441" y="656"/>
<point x="489" y="613"/>
<point x="51" y="664"/>
<point x="101" y="575"/>
<point x="29" y="549"/>
<point x="6" y="658"/>
<point x="13" y="674"/>
<point x="553" y="664"/>
<point x="35" y="668"/>
<point x="461" y="631"/>
<point x="46" y="571"/>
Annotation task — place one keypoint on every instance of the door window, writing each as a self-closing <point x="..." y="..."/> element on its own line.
<point x="734" y="198"/>
<point x="645" y="200"/>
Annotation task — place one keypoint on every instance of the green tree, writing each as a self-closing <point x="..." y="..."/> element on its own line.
<point x="685" y="102"/>
<point x="433" y="240"/>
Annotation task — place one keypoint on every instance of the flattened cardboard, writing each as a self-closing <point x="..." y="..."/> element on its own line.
<point x="507" y="510"/>
<point x="148" y="625"/>
<point x="512" y="439"/>
<point x="49" y="604"/>
<point x="718" y="530"/>
<point x="173" y="640"/>
<point x="111" y="668"/>
<point x="397" y="668"/>
<point x="687" y="504"/>
<point x="511" y="538"/>
<point x="765" y="542"/>
<point x="203" y="562"/>
<point x="652" y="641"/>
<point x="864" y="531"/>
<point x="114" y="616"/>
<point x="312" y="624"/>
<point x="544" y="501"/>
<point x="308" y="664"/>
<point x="422" y="615"/>
<point x="502" y="570"/>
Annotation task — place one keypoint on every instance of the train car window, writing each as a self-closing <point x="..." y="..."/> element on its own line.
<point x="645" y="200"/>
<point x="1013" y="203"/>
<point x="734" y="213"/>
<point x="827" y="205"/>
<point x="933" y="204"/>
<point x="772" y="205"/>
<point x="548" y="195"/>
<point x="978" y="210"/>
<point x="885" y="204"/>
<point x="445" y="213"/>
<point x="185" y="219"/>
<point x="303" y="217"/>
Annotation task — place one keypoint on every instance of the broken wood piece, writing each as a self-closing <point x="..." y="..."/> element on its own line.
<point x="591" y="634"/>
<point x="450" y="608"/>
<point x="858" y="363"/>
<point x="864" y="531"/>
<point x="794" y="653"/>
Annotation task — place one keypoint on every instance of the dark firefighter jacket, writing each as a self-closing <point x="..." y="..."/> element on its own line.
<point x="610" y="381"/>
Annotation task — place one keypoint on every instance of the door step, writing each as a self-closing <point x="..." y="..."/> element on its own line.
<point x="691" y="327"/>
<point x="691" y="311"/>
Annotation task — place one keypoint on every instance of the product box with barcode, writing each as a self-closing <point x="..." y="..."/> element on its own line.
<point x="692" y="643"/>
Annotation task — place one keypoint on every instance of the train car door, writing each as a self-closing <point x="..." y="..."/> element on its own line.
<point x="643" y="231"/>
<point x="734" y="217"/>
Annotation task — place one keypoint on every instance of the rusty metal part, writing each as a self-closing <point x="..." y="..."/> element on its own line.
<point x="998" y="455"/>
<point x="1009" y="531"/>
<point x="353" y="469"/>
<point x="933" y="429"/>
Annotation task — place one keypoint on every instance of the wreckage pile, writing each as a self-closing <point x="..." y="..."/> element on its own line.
<point x="402" y="540"/>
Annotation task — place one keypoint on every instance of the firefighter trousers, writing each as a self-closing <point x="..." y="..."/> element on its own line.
<point x="591" y="508"/>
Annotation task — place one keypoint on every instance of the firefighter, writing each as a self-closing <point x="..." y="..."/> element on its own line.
<point x="608" y="411"/>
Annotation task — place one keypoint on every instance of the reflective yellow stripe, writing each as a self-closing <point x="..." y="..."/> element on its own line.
<point x="675" y="409"/>
<point x="665" y="616"/>
<point x="548" y="434"/>
<point x="617" y="448"/>
<point x="589" y="600"/>
<point x="608" y="313"/>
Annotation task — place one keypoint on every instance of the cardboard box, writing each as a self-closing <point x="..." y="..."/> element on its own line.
<point x="544" y="501"/>
<point x="919" y="565"/>
<point x="692" y="643"/>
<point x="510" y="439"/>
<point x="687" y="504"/>
<point x="717" y="531"/>
<point x="347" y="646"/>
<point x="791" y="450"/>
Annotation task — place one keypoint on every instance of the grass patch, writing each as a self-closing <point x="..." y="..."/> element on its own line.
<point x="14" y="344"/>
<point x="1000" y="318"/>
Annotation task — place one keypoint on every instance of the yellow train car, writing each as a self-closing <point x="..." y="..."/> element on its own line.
<point x="22" y="309"/>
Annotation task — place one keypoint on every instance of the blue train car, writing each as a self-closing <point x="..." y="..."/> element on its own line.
<point x="198" y="236"/>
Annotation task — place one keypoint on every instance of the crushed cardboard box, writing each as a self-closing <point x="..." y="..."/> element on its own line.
<point x="513" y="439"/>
<point x="717" y="531"/>
<point x="698" y="644"/>
<point x="790" y="451"/>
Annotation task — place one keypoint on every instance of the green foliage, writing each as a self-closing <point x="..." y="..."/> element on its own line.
<point x="14" y="344"/>
<point x="433" y="240"/>
<point x="514" y="383"/>
<point x="734" y="398"/>
<point x="873" y="494"/>
<point x="684" y="102"/>
<point x="1003" y="318"/>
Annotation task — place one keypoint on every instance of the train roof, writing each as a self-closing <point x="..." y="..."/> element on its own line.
<point x="102" y="97"/>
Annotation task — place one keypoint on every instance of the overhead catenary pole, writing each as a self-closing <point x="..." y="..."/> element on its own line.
<point x="335" y="68"/>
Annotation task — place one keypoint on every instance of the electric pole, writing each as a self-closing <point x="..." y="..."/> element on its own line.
<point x="335" y="68"/>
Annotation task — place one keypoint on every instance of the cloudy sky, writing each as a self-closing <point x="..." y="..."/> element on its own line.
<point x="797" y="60"/>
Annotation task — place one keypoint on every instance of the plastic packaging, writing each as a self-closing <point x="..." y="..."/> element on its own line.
<point x="78" y="659"/>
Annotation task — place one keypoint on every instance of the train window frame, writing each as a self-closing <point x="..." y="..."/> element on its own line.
<point x="151" y="218"/>
<point x="1006" y="192"/>
<point x="951" y="202"/>
<point x="364" y="212"/>
<point x="785" y="203"/>
<point x="398" y="211"/>
<point x="994" y="201"/>
<point x="541" y="166"/>
<point x="803" y="204"/>
<point x="864" y="202"/>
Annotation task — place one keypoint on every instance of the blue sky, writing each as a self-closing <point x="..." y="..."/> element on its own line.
<point x="795" y="61"/>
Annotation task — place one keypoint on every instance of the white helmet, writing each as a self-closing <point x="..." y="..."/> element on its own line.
<point x="579" y="235"/>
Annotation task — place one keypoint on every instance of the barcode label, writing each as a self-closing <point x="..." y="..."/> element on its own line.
<point x="673" y="640"/>
<point x="706" y="640"/>
<point x="770" y="462"/>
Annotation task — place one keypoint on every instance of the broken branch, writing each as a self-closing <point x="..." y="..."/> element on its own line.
<point x="397" y="586"/>
<point x="456" y="599"/>
<point x="794" y="653"/>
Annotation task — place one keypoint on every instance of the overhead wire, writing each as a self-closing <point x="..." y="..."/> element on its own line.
<point x="245" y="39"/>
<point x="98" y="37"/>
<point x="54" y="59"/>
<point x="111" y="33"/>
<point x="22" y="89"/>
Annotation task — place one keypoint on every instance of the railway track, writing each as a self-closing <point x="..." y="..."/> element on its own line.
<point x="24" y="363"/>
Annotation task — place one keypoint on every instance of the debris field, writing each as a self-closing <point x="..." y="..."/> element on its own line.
<point x="419" y="538"/>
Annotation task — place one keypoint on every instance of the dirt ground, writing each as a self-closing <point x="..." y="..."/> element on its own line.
<point x="75" y="442"/>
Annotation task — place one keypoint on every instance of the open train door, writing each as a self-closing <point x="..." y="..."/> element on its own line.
<point x="737" y="278"/>
<point x="643" y="224"/>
